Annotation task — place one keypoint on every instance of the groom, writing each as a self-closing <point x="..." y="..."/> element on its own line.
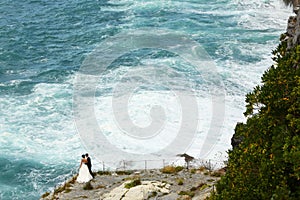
<point x="89" y="164"/>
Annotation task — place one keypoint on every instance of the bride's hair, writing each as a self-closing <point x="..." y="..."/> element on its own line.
<point x="83" y="156"/>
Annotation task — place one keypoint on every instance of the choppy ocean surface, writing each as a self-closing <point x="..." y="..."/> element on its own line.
<point x="43" y="45"/>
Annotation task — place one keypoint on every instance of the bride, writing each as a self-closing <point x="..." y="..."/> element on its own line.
<point x="84" y="174"/>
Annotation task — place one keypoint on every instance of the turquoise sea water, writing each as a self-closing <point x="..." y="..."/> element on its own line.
<point x="43" y="45"/>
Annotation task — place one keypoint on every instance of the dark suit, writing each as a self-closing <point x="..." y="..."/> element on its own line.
<point x="89" y="165"/>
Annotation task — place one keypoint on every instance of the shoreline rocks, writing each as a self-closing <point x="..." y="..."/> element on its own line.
<point x="194" y="184"/>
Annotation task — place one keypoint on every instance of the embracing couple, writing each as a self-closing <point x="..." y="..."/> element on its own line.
<point x="85" y="169"/>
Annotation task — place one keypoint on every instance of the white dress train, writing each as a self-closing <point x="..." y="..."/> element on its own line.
<point x="84" y="175"/>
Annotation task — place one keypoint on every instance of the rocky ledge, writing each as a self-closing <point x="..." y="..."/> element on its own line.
<point x="169" y="183"/>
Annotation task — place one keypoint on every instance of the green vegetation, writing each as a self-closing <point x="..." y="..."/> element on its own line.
<point x="45" y="194"/>
<point x="200" y="187"/>
<point x="216" y="174"/>
<point x="179" y="181"/>
<point x="204" y="186"/>
<point x="63" y="188"/>
<point x="152" y="194"/>
<point x="133" y="183"/>
<point x="88" y="186"/>
<point x="189" y="193"/>
<point x="67" y="190"/>
<point x="100" y="186"/>
<point x="171" y="169"/>
<point x="266" y="164"/>
<point x="206" y="173"/>
<point x="179" y="168"/>
<point x="135" y="177"/>
<point x="83" y="197"/>
<point x="73" y="179"/>
<point x="128" y="172"/>
<point x="101" y="173"/>
<point x="59" y="189"/>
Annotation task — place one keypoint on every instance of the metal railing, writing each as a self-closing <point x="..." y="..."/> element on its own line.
<point x="155" y="164"/>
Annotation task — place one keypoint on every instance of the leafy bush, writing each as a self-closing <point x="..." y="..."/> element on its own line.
<point x="266" y="164"/>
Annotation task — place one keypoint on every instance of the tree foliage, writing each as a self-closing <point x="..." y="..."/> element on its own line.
<point x="266" y="164"/>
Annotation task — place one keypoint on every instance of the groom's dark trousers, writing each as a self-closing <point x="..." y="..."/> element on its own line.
<point x="89" y="165"/>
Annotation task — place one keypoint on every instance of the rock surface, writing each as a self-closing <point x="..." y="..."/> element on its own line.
<point x="139" y="192"/>
<point x="186" y="184"/>
<point x="292" y="35"/>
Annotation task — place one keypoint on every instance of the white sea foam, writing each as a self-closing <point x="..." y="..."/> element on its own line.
<point x="48" y="109"/>
<point x="41" y="120"/>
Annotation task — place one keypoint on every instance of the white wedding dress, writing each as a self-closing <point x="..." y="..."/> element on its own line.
<point x="84" y="175"/>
